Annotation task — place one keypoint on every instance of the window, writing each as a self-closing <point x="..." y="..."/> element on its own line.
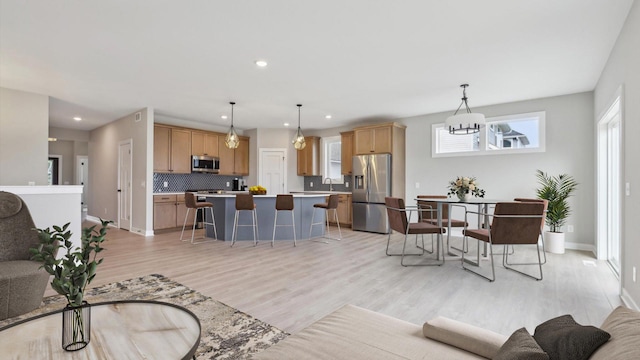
<point x="331" y="159"/>
<point x="504" y="135"/>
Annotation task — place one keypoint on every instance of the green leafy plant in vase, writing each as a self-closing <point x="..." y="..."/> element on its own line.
<point x="556" y="190"/>
<point x="71" y="275"/>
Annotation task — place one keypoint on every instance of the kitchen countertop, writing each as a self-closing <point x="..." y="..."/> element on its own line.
<point x="322" y="192"/>
<point x="296" y="195"/>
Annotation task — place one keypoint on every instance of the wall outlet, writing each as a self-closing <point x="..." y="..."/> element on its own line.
<point x="227" y="184"/>
<point x="569" y="228"/>
<point x="166" y="184"/>
<point x="627" y="189"/>
<point x="634" y="274"/>
<point x="346" y="184"/>
<point x="417" y="185"/>
<point x="311" y="184"/>
<point x="105" y="211"/>
<point x="32" y="183"/>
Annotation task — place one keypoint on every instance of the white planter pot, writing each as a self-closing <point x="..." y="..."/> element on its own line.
<point x="554" y="242"/>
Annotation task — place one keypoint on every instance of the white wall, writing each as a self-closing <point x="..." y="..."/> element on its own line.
<point x="569" y="149"/>
<point x="274" y="138"/>
<point x="623" y="69"/>
<point x="24" y="129"/>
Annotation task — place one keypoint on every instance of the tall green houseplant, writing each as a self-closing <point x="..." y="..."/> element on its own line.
<point x="556" y="189"/>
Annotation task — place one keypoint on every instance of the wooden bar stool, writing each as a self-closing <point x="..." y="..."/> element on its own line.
<point x="284" y="203"/>
<point x="190" y="203"/>
<point x="331" y="204"/>
<point x="244" y="202"/>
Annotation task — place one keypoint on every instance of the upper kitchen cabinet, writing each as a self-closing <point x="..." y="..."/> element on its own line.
<point x="346" y="153"/>
<point x="171" y="150"/>
<point x="379" y="139"/>
<point x="204" y="143"/>
<point x="234" y="161"/>
<point x="309" y="157"/>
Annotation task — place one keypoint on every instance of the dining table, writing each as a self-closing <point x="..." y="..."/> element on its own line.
<point x="482" y="205"/>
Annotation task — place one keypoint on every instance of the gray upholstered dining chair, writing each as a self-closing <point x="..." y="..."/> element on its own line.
<point x="399" y="222"/>
<point x="513" y="223"/>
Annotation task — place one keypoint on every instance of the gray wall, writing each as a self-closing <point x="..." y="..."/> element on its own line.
<point x="274" y="138"/>
<point x="623" y="69"/>
<point x="24" y="129"/>
<point x="103" y="169"/>
<point x="569" y="149"/>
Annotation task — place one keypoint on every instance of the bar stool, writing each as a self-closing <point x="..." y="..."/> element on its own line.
<point x="331" y="204"/>
<point x="284" y="203"/>
<point x="244" y="202"/>
<point x="190" y="203"/>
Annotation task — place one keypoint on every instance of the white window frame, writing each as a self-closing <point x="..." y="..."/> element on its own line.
<point x="324" y="158"/>
<point x="483" y="149"/>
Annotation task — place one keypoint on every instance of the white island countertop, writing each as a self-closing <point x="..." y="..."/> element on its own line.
<point x="295" y="195"/>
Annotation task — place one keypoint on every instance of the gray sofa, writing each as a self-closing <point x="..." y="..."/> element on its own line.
<point x="355" y="333"/>
<point x="22" y="281"/>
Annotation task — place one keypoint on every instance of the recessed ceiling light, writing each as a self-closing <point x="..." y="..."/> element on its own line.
<point x="224" y="117"/>
<point x="261" y="63"/>
<point x="327" y="117"/>
<point x="77" y="118"/>
<point x="286" y="124"/>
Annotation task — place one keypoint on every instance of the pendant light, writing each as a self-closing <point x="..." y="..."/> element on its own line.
<point x="298" y="140"/>
<point x="466" y="122"/>
<point x="232" y="141"/>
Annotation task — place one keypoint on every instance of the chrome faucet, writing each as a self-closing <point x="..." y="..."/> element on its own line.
<point x="330" y="183"/>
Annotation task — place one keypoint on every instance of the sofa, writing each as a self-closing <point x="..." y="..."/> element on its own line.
<point x="352" y="332"/>
<point x="22" y="281"/>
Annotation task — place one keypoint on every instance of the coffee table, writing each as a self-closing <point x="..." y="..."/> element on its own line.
<point x="133" y="329"/>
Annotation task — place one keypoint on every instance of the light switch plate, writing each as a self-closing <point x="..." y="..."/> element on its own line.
<point x="311" y="184"/>
<point x="627" y="189"/>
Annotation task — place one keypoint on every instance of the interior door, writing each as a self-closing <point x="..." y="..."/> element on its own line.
<point x="273" y="170"/>
<point x="124" y="185"/>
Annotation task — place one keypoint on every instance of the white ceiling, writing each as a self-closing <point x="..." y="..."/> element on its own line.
<point x="358" y="60"/>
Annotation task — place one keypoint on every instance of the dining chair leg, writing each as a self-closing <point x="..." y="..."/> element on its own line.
<point x="506" y="264"/>
<point x="235" y="227"/>
<point x="255" y="228"/>
<point x="466" y="261"/>
<point x="293" y="226"/>
<point x="436" y="263"/>
<point x="275" y="222"/>
<point x="184" y="224"/>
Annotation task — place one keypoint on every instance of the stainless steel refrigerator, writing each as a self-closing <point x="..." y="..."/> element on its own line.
<point x="371" y="184"/>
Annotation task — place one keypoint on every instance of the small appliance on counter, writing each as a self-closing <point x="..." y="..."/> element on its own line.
<point x="239" y="185"/>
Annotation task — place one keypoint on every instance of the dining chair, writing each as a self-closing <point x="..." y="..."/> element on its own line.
<point x="191" y="204"/>
<point x="399" y="222"/>
<point x="513" y="223"/>
<point x="331" y="204"/>
<point x="429" y="214"/>
<point x="244" y="202"/>
<point x="542" y="222"/>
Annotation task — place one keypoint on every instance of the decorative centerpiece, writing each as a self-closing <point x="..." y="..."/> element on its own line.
<point x="71" y="275"/>
<point x="258" y="190"/>
<point x="464" y="187"/>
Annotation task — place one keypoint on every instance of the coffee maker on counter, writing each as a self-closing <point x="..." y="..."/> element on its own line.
<point x="239" y="185"/>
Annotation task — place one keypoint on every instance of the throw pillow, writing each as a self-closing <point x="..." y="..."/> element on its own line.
<point x="562" y="338"/>
<point x="521" y="346"/>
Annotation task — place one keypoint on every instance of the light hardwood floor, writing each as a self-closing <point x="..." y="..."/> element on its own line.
<point x="291" y="287"/>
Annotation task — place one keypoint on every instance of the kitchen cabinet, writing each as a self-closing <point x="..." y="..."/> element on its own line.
<point x="373" y="140"/>
<point x="169" y="212"/>
<point x="346" y="153"/>
<point x="204" y="143"/>
<point x="234" y="161"/>
<point x="309" y="157"/>
<point x="344" y="210"/>
<point x="171" y="150"/>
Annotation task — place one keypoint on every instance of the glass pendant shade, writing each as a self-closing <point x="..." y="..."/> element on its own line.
<point x="231" y="141"/>
<point x="298" y="140"/>
<point x="466" y="122"/>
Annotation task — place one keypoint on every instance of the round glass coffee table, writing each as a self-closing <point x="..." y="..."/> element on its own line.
<point x="136" y="329"/>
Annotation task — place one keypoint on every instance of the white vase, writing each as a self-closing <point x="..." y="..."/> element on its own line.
<point x="554" y="242"/>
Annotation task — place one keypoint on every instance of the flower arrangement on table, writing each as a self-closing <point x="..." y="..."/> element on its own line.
<point x="258" y="190"/>
<point x="462" y="186"/>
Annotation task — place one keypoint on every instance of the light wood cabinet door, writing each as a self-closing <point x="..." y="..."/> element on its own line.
<point x="161" y="149"/>
<point x="373" y="140"/>
<point x="241" y="158"/>
<point x="226" y="155"/>
<point x="344" y="210"/>
<point x="180" y="151"/>
<point x="164" y="212"/>
<point x="204" y="144"/>
<point x="181" y="212"/>
<point x="308" y="158"/>
<point x="346" y="153"/>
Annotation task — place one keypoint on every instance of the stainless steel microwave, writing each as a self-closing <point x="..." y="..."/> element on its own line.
<point x="205" y="164"/>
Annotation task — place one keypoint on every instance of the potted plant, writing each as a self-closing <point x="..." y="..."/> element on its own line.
<point x="556" y="190"/>
<point x="71" y="275"/>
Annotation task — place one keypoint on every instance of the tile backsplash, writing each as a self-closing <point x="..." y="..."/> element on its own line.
<point x="182" y="182"/>
<point x="319" y="186"/>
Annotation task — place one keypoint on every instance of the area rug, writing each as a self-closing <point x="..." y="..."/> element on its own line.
<point x="227" y="333"/>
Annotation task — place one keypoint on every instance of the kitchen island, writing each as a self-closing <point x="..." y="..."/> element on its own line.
<point x="224" y="208"/>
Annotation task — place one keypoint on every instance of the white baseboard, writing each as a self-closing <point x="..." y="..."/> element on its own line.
<point x="628" y="301"/>
<point x="141" y="232"/>
<point x="580" y="246"/>
<point x="97" y="220"/>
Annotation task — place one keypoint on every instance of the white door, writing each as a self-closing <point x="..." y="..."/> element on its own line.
<point x="273" y="170"/>
<point x="609" y="185"/>
<point x="82" y="176"/>
<point x="124" y="185"/>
